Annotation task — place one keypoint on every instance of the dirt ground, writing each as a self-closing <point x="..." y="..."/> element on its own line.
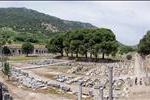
<point x="136" y="92"/>
<point x="22" y="93"/>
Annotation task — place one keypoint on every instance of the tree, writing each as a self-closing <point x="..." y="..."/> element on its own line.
<point x="83" y="50"/>
<point x="109" y="43"/>
<point x="6" y="50"/>
<point x="74" y="45"/>
<point x="27" y="48"/>
<point x="6" y="69"/>
<point x="144" y="49"/>
<point x="129" y="57"/>
<point x="125" y="49"/>
<point x="103" y="41"/>
<point x="66" y="43"/>
<point x="76" y="39"/>
<point x="144" y="45"/>
<point x="55" y="45"/>
<point x="66" y="47"/>
<point x="110" y="47"/>
<point x="95" y="50"/>
<point x="93" y="41"/>
<point x="1" y="45"/>
<point x="91" y="46"/>
<point x="9" y="41"/>
<point x="2" y="42"/>
<point x="85" y="45"/>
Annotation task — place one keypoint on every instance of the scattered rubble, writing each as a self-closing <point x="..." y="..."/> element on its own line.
<point x="5" y="93"/>
<point x="44" y="62"/>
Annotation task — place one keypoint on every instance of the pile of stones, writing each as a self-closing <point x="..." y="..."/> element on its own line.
<point x="101" y="69"/>
<point x="30" y="81"/>
<point x="119" y="68"/>
<point x="94" y="73"/>
<point x="119" y="85"/>
<point x="26" y="79"/>
<point x="88" y="81"/>
<point x="75" y="69"/>
<point x="63" y="78"/>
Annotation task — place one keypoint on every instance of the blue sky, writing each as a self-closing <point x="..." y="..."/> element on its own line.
<point x="129" y="20"/>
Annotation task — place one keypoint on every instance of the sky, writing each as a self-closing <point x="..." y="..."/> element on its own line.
<point x="129" y="20"/>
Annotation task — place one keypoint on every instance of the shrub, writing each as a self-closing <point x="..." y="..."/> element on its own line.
<point x="129" y="57"/>
<point x="6" y="69"/>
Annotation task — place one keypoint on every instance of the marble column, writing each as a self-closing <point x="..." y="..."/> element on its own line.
<point x="110" y="82"/>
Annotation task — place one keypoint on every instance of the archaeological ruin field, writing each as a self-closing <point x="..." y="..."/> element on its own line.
<point x="74" y="50"/>
<point x="60" y="78"/>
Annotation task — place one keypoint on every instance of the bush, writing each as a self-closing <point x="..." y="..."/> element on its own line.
<point x="9" y="41"/>
<point x="6" y="69"/>
<point x="129" y="57"/>
<point x="6" y="50"/>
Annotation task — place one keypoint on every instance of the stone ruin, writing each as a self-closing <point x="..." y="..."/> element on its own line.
<point x="90" y="74"/>
<point x="27" y="80"/>
<point x="100" y="69"/>
<point x="95" y="73"/>
<point x="100" y="73"/>
<point x="43" y="62"/>
<point x="4" y="93"/>
<point x="31" y="81"/>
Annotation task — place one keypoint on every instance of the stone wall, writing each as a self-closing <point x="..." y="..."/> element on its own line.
<point x="31" y="81"/>
<point x="18" y="51"/>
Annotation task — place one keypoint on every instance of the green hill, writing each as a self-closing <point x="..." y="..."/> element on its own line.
<point x="27" y="20"/>
<point x="22" y="24"/>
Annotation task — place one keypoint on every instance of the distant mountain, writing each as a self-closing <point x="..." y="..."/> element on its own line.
<point x="27" y="20"/>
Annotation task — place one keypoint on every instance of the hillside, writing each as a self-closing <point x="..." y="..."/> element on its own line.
<point x="22" y="24"/>
<point x="27" y="20"/>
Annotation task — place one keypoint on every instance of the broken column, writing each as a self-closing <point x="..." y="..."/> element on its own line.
<point x="80" y="91"/>
<point x="110" y="82"/>
<point x="101" y="92"/>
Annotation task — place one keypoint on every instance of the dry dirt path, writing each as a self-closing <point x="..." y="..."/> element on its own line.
<point x="138" y="93"/>
<point x="19" y="93"/>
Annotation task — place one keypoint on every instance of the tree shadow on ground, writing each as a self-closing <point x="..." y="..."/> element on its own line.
<point x="84" y="59"/>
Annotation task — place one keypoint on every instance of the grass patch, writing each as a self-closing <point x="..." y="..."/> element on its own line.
<point x="22" y="58"/>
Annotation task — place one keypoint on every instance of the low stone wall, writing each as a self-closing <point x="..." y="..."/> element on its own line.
<point x="30" y="81"/>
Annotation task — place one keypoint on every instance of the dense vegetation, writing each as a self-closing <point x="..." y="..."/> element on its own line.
<point x="92" y="41"/>
<point x="8" y="35"/>
<point x="144" y="45"/>
<point x="21" y="25"/>
<point x="6" y="69"/>
<point x="31" y="21"/>
<point x="27" y="48"/>
<point x="123" y="49"/>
